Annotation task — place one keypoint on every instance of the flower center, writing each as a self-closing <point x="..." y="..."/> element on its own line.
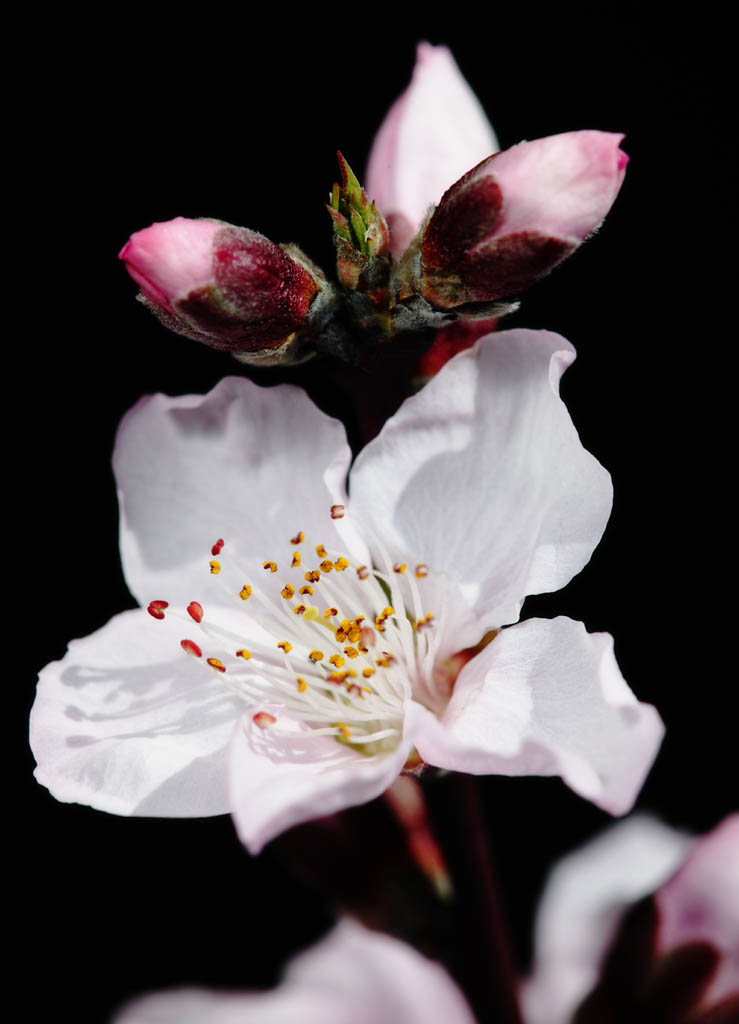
<point x="339" y="646"/>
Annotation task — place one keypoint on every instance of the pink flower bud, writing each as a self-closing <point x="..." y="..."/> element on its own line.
<point x="226" y="286"/>
<point x="512" y="218"/>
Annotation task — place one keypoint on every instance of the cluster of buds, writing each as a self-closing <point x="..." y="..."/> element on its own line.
<point x="491" y="235"/>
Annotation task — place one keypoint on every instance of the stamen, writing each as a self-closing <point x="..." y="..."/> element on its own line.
<point x="217" y="664"/>
<point x="243" y="653"/>
<point x="363" y="572"/>
<point x="337" y="511"/>
<point x="285" y="646"/>
<point x="156" y="609"/>
<point x="272" y="566"/>
<point x="302" y="685"/>
<point x="399" y="567"/>
<point x="245" y="592"/>
<point x="326" y="565"/>
<point x="215" y="567"/>
<point x="321" y="551"/>
<point x="195" y="611"/>
<point x="217" y="547"/>
<point x="422" y="571"/>
<point x="306" y="590"/>
<point x="316" y="655"/>
<point x="341" y="563"/>
<point x="190" y="647"/>
<point x="287" y="591"/>
<point x="296" y="560"/>
<point x="298" y="538"/>
<point x="264" y="720"/>
<point x="313" y="576"/>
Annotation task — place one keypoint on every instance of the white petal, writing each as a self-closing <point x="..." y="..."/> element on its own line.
<point x="283" y="776"/>
<point x="582" y="905"/>
<point x="434" y="133"/>
<point x="247" y="464"/>
<point x="128" y="723"/>
<point x="482" y="475"/>
<point x="353" y="974"/>
<point x="546" y="698"/>
<point x="389" y="978"/>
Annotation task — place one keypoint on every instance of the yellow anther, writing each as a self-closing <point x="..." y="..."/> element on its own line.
<point x="302" y="685"/>
<point x="351" y="672"/>
<point x="341" y="563"/>
<point x="321" y="551"/>
<point x="285" y="645"/>
<point x="298" y="538"/>
<point x="351" y="652"/>
<point x="337" y="677"/>
<point x="337" y="660"/>
<point x="316" y="655"/>
<point x="330" y="613"/>
<point x="422" y="571"/>
<point x="340" y="636"/>
<point x="313" y="576"/>
<point x="243" y="653"/>
<point x="367" y="672"/>
<point x="367" y="689"/>
<point x="287" y="591"/>
<point x="363" y="649"/>
<point x="296" y="559"/>
<point x="400" y="567"/>
<point x="362" y="572"/>
<point x="327" y="565"/>
<point x="245" y="592"/>
<point x="300" y="609"/>
<point x="354" y="634"/>
<point x="306" y="590"/>
<point x="215" y="567"/>
<point x="344" y="729"/>
<point x="388" y="611"/>
<point x="272" y="566"/>
<point x="346" y="624"/>
<point x="359" y="619"/>
<point x="217" y="664"/>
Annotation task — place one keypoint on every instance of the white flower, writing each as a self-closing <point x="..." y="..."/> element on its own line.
<point x="352" y="974"/>
<point x="696" y="887"/>
<point x="308" y="695"/>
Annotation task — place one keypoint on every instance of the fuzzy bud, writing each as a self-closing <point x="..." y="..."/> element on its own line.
<point x="516" y="215"/>
<point x="226" y="286"/>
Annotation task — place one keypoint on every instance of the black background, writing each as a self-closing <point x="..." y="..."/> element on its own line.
<point x="226" y="118"/>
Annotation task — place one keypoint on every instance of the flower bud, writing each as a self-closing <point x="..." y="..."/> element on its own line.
<point x="519" y="213"/>
<point x="226" y="286"/>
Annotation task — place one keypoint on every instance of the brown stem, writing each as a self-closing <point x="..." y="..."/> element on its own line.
<point x="483" y="962"/>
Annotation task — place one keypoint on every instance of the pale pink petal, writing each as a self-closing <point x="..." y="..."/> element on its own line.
<point x="127" y="723"/>
<point x="581" y="908"/>
<point x="283" y="775"/>
<point x="482" y="475"/>
<point x="245" y="464"/>
<point x="545" y="698"/>
<point x="170" y="259"/>
<point x="701" y="902"/>
<point x="389" y="978"/>
<point x="434" y="132"/>
<point x="561" y="186"/>
<point x="353" y="974"/>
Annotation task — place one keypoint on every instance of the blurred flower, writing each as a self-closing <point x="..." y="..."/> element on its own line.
<point x="226" y="286"/>
<point x="585" y="903"/>
<point x="325" y="657"/>
<point x="352" y="974"/>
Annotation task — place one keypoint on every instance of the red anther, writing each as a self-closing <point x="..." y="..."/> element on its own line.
<point x="217" y="547"/>
<point x="217" y="664"/>
<point x="264" y="720"/>
<point x="195" y="611"/>
<point x="190" y="647"/>
<point x="156" y="609"/>
<point x="337" y="511"/>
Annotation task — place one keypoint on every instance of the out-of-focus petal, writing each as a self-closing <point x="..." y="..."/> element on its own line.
<point x="701" y="902"/>
<point x="352" y="974"/>
<point x="278" y="779"/>
<point x="546" y="698"/>
<point x="128" y="724"/>
<point x="585" y="898"/>
<point x="434" y="132"/>
<point x="482" y="475"/>
<point x="247" y="464"/>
